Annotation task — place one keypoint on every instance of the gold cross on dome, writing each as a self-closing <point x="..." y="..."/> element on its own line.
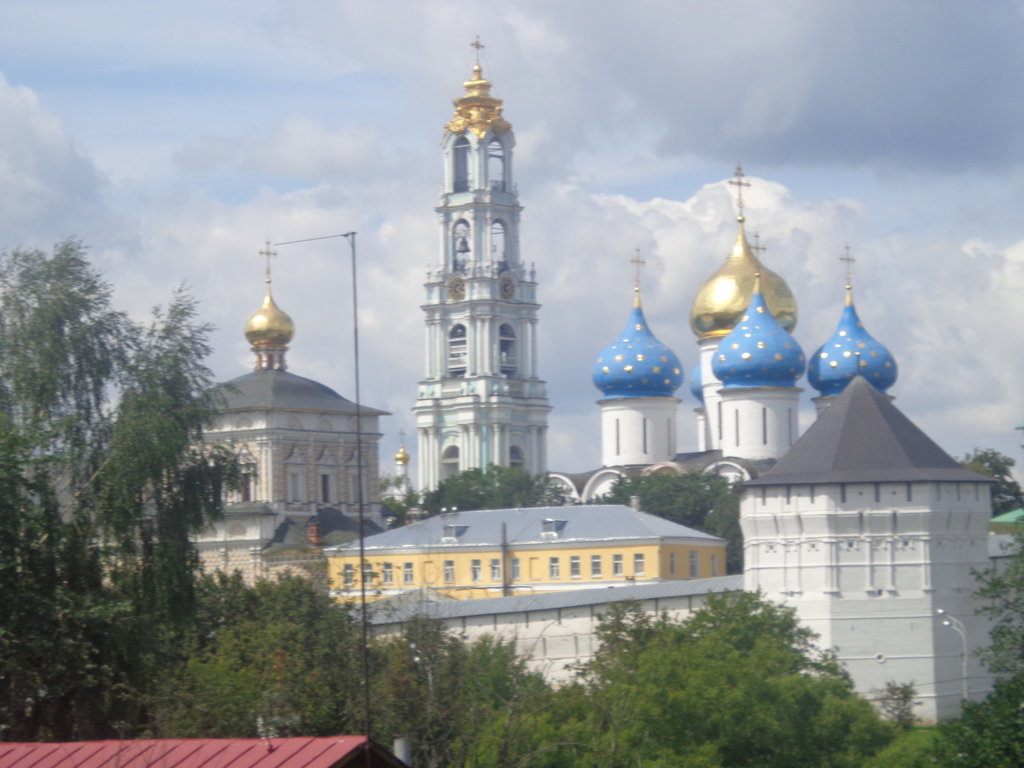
<point x="268" y="252"/>
<point x="638" y="262"/>
<point x="478" y="45"/>
<point x="739" y="183"/>
<point x="757" y="247"/>
<point x="847" y="258"/>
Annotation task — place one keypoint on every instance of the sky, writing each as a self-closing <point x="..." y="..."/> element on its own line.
<point x="174" y="139"/>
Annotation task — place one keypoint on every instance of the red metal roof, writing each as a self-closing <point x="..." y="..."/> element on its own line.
<point x="322" y="752"/>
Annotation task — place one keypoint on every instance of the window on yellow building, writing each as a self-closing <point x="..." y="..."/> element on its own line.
<point x="367" y="573"/>
<point x="474" y="570"/>
<point x="449" y="571"/>
<point x="574" y="566"/>
<point x="495" y="569"/>
<point x="595" y="566"/>
<point x="672" y="563"/>
<point x="638" y="564"/>
<point x="714" y="565"/>
<point x="514" y="576"/>
<point x="386" y="574"/>
<point x="554" y="570"/>
<point x="616" y="565"/>
<point x="407" y="573"/>
<point x="348" y="575"/>
<point x="694" y="565"/>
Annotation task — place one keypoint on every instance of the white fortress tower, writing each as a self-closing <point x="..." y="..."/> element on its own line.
<point x="481" y="402"/>
<point x="869" y="529"/>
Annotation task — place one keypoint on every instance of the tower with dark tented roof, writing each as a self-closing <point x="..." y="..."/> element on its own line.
<point x="872" y="532"/>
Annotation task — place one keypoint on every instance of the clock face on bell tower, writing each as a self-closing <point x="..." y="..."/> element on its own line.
<point x="456" y="288"/>
<point x="507" y="288"/>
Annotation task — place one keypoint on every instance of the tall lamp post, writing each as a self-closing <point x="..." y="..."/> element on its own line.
<point x="958" y="626"/>
<point x="360" y="496"/>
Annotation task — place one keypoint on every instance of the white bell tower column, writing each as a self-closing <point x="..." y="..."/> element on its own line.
<point x="481" y="402"/>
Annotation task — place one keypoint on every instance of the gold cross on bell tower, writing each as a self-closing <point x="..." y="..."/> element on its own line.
<point x="738" y="182"/>
<point x="269" y="253"/>
<point x="478" y="45"/>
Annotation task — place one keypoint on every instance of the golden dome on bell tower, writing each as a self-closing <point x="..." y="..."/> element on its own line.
<point x="725" y="296"/>
<point x="270" y="329"/>
<point x="478" y="111"/>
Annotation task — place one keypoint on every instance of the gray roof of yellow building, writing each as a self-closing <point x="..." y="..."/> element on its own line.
<point x="573" y="524"/>
<point x="863" y="438"/>
<point x="394" y="611"/>
<point x="281" y="390"/>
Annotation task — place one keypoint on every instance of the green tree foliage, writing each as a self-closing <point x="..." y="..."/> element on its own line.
<point x="737" y="684"/>
<point x="698" y="500"/>
<point x="492" y="488"/>
<point x="989" y="733"/>
<point x="101" y="489"/>
<point x="1002" y="594"/>
<point x="277" y="658"/>
<point x="445" y="693"/>
<point x="1006" y="492"/>
<point x="896" y="703"/>
<point x="281" y="658"/>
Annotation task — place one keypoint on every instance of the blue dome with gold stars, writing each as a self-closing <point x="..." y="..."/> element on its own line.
<point x="696" y="385"/>
<point x="758" y="352"/>
<point x="850" y="350"/>
<point x="637" y="364"/>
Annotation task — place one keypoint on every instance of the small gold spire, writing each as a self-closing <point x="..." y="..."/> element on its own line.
<point x="847" y="258"/>
<point x="739" y="183"/>
<point x="638" y="262"/>
<point x="269" y="254"/>
<point x="270" y="329"/>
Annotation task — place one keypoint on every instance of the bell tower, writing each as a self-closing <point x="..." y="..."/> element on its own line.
<point x="481" y="401"/>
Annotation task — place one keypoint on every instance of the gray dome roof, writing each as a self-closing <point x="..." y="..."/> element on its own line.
<point x="280" y="390"/>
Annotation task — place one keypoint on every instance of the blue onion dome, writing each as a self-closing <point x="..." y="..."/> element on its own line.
<point x="637" y="364"/>
<point x="696" y="386"/>
<point x="758" y="352"/>
<point x="850" y="350"/>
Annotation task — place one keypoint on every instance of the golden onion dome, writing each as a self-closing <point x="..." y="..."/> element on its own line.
<point x="402" y="457"/>
<point x="478" y="111"/>
<point x="723" y="299"/>
<point x="270" y="327"/>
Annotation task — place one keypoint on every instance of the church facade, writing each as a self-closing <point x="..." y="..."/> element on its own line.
<point x="307" y="456"/>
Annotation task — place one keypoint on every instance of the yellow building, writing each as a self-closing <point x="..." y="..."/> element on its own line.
<point x="490" y="553"/>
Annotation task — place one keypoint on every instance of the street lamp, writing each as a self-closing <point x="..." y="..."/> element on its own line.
<point x="957" y="625"/>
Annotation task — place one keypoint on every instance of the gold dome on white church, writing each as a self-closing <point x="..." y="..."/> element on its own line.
<point x="270" y="327"/>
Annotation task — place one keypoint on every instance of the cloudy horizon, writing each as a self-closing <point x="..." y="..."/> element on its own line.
<point x="174" y="140"/>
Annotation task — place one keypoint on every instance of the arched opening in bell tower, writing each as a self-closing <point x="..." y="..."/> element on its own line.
<point x="498" y="245"/>
<point x="457" y="351"/>
<point x="461" y="247"/>
<point x="496" y="165"/>
<point x="507" y="349"/>
<point x="460" y="165"/>
<point x="450" y="462"/>
<point x="516" y="457"/>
